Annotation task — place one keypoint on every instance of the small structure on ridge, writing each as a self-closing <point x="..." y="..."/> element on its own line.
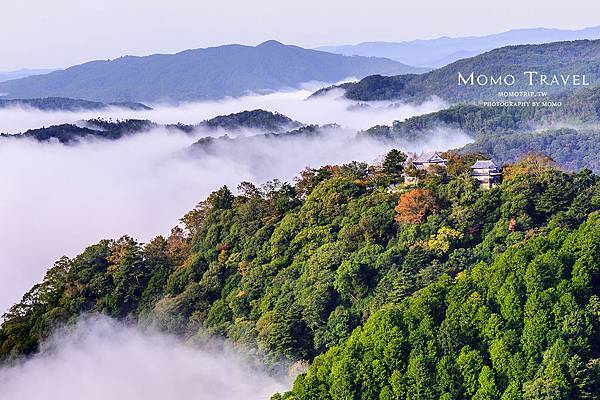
<point x="487" y="173"/>
<point x="426" y="162"/>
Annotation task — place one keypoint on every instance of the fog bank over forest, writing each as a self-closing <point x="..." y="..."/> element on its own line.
<point x="107" y="360"/>
<point x="59" y="199"/>
<point x="295" y="104"/>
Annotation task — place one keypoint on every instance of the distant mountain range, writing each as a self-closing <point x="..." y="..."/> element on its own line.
<point x="23" y="73"/>
<point x="201" y="74"/>
<point x="66" y="104"/>
<point x="436" y="53"/>
<point x="568" y="58"/>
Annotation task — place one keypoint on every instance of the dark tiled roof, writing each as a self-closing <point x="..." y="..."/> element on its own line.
<point x="429" y="157"/>
<point x="484" y="164"/>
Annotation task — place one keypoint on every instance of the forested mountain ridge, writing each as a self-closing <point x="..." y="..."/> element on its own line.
<point x="108" y="129"/>
<point x="581" y="108"/>
<point x="293" y="270"/>
<point x="570" y="133"/>
<point x="255" y="119"/>
<point x="67" y="104"/>
<point x="94" y="128"/>
<point x="569" y="58"/>
<point x="200" y="74"/>
<point x="572" y="148"/>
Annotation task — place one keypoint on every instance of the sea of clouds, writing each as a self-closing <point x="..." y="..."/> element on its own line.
<point x="331" y="108"/>
<point x="55" y="200"/>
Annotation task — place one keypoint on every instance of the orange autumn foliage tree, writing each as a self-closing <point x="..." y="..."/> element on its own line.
<point x="414" y="205"/>
<point x="531" y="164"/>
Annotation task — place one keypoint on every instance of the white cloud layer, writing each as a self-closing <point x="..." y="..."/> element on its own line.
<point x="101" y="359"/>
<point x="294" y="104"/>
<point x="55" y="200"/>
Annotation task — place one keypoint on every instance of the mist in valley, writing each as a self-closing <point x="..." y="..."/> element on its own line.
<point x="330" y="108"/>
<point x="100" y="359"/>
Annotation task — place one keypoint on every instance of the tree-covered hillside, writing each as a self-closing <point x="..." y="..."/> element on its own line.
<point x="93" y="128"/>
<point x="577" y="57"/>
<point x="293" y="270"/>
<point x="581" y="108"/>
<point x="568" y="134"/>
<point x="256" y="119"/>
<point x="573" y="149"/>
<point x="524" y="325"/>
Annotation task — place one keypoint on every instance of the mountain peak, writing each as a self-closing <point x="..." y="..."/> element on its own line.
<point x="271" y="43"/>
<point x="199" y="74"/>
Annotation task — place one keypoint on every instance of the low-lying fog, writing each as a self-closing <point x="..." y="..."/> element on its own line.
<point x="55" y="199"/>
<point x="319" y="110"/>
<point x="101" y="359"/>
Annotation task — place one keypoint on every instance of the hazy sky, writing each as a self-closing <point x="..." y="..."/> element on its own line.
<point x="42" y="33"/>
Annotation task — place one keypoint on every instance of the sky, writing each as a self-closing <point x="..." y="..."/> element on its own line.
<point x="59" y="33"/>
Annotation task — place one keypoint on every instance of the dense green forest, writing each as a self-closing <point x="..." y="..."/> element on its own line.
<point x="576" y="57"/>
<point x="521" y="326"/>
<point x="389" y="290"/>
